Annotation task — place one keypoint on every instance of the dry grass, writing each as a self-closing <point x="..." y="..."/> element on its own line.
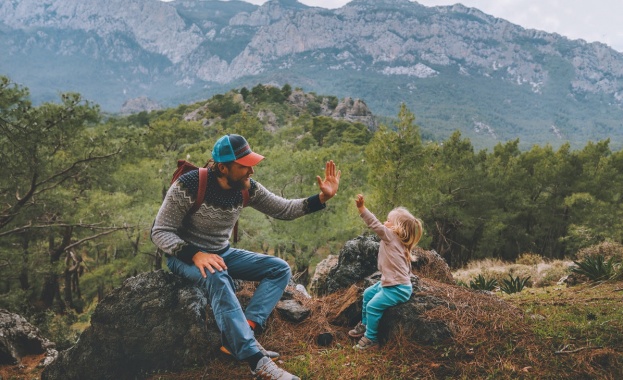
<point x="541" y="273"/>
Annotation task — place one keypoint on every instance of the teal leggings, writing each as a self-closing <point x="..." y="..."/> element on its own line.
<point x="376" y="299"/>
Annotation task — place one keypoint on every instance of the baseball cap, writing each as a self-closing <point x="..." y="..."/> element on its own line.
<point x="232" y="147"/>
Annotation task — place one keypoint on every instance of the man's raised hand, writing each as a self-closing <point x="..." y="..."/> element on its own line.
<point x="331" y="182"/>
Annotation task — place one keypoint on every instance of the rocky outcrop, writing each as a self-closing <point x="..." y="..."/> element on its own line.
<point x="19" y="339"/>
<point x="154" y="321"/>
<point x="139" y="104"/>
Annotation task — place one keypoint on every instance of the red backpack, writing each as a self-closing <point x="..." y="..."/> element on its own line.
<point x="184" y="166"/>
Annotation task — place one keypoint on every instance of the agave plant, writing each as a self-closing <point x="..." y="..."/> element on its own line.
<point x="482" y="283"/>
<point x="513" y="284"/>
<point x="595" y="268"/>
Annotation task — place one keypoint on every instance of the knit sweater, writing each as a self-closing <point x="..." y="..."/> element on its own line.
<point x="392" y="262"/>
<point x="209" y="229"/>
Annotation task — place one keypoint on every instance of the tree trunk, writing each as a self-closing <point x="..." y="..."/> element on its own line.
<point x="23" y="276"/>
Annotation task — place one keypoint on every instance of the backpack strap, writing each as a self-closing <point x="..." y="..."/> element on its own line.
<point x="245" y="197"/>
<point x="201" y="191"/>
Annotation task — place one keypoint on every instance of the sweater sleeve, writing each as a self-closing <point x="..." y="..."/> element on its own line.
<point x="375" y="225"/>
<point x="280" y="208"/>
<point x="169" y="219"/>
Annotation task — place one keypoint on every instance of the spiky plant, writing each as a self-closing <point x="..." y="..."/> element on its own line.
<point x="482" y="283"/>
<point x="513" y="284"/>
<point x="595" y="268"/>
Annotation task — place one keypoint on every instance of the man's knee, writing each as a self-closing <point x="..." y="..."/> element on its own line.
<point x="217" y="280"/>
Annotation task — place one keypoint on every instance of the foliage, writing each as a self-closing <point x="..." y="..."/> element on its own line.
<point x="99" y="181"/>
<point x="512" y="284"/>
<point x="482" y="283"/>
<point x="596" y="268"/>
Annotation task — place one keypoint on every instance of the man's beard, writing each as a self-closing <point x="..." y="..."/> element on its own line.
<point x="239" y="184"/>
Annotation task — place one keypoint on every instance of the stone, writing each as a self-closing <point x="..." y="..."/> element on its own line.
<point x="292" y="310"/>
<point x="154" y="321"/>
<point x="18" y="338"/>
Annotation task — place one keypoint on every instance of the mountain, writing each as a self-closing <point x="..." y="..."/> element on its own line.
<point x="454" y="67"/>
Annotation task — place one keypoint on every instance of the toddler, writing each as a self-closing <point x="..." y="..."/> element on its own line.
<point x="399" y="234"/>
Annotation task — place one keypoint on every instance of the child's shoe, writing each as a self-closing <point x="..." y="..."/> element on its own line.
<point x="358" y="331"/>
<point x="366" y="344"/>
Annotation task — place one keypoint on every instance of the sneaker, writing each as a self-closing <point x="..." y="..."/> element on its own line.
<point x="366" y="344"/>
<point x="267" y="370"/>
<point x="271" y="354"/>
<point x="358" y="331"/>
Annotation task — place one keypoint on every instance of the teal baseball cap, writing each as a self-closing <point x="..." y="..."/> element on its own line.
<point x="235" y="148"/>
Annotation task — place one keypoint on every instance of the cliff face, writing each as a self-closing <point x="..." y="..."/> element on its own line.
<point x="176" y="51"/>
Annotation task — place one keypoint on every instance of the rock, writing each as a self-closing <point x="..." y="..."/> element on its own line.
<point x="18" y="339"/>
<point x="139" y="104"/>
<point x="301" y="289"/>
<point x="292" y="310"/>
<point x="319" y="278"/>
<point x="430" y="264"/>
<point x="154" y="321"/>
<point x="356" y="261"/>
<point x="324" y="339"/>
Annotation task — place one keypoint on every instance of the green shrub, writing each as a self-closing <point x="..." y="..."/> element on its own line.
<point x="482" y="283"/>
<point x="596" y="268"/>
<point x="512" y="284"/>
<point x="528" y="258"/>
<point x="606" y="249"/>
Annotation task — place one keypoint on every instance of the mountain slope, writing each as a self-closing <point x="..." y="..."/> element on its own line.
<point x="454" y="67"/>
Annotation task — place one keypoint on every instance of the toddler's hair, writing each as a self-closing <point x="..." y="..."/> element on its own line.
<point x="407" y="227"/>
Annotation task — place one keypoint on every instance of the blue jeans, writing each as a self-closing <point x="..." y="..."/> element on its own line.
<point x="376" y="299"/>
<point x="273" y="274"/>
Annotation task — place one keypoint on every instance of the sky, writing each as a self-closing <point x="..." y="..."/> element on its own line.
<point x="590" y="20"/>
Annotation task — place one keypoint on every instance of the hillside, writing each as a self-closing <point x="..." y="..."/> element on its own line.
<point x="456" y="68"/>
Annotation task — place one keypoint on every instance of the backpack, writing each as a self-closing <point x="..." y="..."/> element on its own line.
<point x="184" y="166"/>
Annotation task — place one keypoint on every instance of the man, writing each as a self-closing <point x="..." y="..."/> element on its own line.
<point x="197" y="245"/>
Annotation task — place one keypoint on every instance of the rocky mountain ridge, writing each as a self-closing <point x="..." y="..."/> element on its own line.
<point x="385" y="52"/>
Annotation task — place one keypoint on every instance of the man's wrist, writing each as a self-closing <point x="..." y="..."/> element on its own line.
<point x="323" y="198"/>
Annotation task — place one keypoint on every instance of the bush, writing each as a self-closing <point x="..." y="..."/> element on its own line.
<point x="606" y="249"/>
<point x="513" y="284"/>
<point x="528" y="258"/>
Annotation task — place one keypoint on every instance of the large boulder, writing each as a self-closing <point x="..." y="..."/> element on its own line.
<point x="19" y="339"/>
<point x="154" y="321"/>
<point x="357" y="260"/>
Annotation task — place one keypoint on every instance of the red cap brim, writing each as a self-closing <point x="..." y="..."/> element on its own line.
<point x="250" y="159"/>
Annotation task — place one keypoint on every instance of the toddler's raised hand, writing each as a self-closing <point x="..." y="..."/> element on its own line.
<point x="359" y="201"/>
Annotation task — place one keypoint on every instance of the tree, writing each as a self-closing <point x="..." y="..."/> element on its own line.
<point x="50" y="159"/>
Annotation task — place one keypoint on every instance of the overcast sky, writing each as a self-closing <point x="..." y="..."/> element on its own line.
<point x="590" y="20"/>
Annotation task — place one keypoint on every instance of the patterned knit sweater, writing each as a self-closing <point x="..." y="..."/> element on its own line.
<point x="210" y="228"/>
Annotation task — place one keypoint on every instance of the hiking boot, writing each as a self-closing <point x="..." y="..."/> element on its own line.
<point x="366" y="344"/>
<point x="358" y="331"/>
<point x="267" y="370"/>
<point x="271" y="354"/>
